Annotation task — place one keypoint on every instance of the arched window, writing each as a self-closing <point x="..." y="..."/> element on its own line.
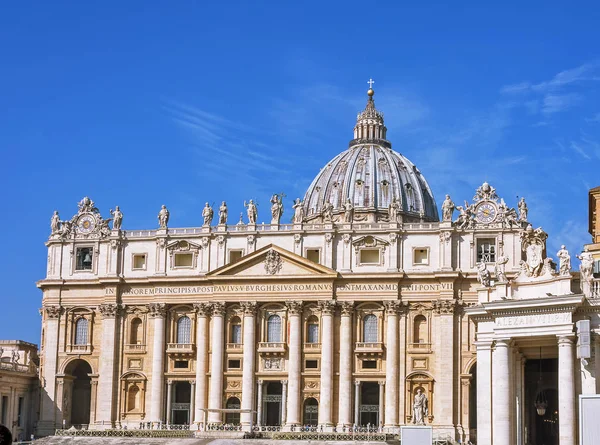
<point x="135" y="334"/>
<point x="370" y="329"/>
<point x="420" y="329"/>
<point x="184" y="330"/>
<point x="233" y="418"/>
<point x="311" y="411"/>
<point x="133" y="398"/>
<point x="235" y="335"/>
<point x="312" y="330"/>
<point x="81" y="332"/>
<point x="274" y="329"/>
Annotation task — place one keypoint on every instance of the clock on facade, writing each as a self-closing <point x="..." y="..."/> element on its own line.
<point x="86" y="223"/>
<point x="486" y="212"/>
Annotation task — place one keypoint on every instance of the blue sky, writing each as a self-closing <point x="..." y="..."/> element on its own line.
<point x="139" y="104"/>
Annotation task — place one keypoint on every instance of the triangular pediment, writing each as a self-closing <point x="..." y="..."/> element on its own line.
<point x="271" y="262"/>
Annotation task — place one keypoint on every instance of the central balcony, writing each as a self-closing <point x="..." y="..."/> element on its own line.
<point x="180" y="348"/>
<point x="79" y="349"/>
<point x="368" y="348"/>
<point x="135" y="349"/>
<point x="272" y="348"/>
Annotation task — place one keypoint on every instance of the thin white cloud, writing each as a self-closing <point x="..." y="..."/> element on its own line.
<point x="585" y="72"/>
<point x="554" y="103"/>
<point x="579" y="149"/>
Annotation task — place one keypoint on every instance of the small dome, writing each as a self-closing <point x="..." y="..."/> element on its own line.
<point x="371" y="175"/>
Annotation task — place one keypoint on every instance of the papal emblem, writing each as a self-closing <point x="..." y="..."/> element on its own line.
<point x="273" y="262"/>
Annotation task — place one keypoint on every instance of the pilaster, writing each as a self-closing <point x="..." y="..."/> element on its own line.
<point x="106" y="381"/>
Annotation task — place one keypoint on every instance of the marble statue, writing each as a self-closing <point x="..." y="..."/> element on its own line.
<point x="394" y="210"/>
<point x="500" y="268"/>
<point x="420" y="408"/>
<point x="117" y="218"/>
<point x="298" y="211"/>
<point x="327" y="212"/>
<point x="207" y="214"/>
<point x="251" y="211"/>
<point x="483" y="275"/>
<point x="447" y="209"/>
<point x="348" y="211"/>
<point x="465" y="216"/>
<point x="522" y="210"/>
<point x="276" y="208"/>
<point x="223" y="213"/>
<point x="55" y="222"/>
<point x="15" y="357"/>
<point x="163" y="217"/>
<point x="564" y="267"/>
<point x="586" y="271"/>
<point x="87" y="205"/>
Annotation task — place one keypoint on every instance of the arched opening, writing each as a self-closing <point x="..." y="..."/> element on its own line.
<point x="312" y="330"/>
<point x="311" y="412"/>
<point x="80" y="394"/>
<point x="235" y="333"/>
<point x="272" y="404"/>
<point x="369" y="404"/>
<point x="180" y="404"/>
<point x="370" y="329"/>
<point x="81" y="332"/>
<point x="420" y="329"/>
<point x="184" y="330"/>
<point x="233" y="418"/>
<point x="274" y="329"/>
<point x="133" y="398"/>
<point x="135" y="336"/>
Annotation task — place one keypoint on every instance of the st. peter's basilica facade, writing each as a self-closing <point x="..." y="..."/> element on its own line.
<point x="368" y="309"/>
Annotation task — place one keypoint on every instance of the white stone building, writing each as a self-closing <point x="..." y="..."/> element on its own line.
<point x="334" y="320"/>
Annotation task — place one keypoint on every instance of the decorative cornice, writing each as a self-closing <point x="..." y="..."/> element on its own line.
<point x="294" y="307"/>
<point x="157" y="310"/>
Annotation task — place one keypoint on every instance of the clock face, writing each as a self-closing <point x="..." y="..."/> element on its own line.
<point x="86" y="224"/>
<point x="486" y="213"/>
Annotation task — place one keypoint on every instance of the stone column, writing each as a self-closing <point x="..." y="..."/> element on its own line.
<point x="249" y="329"/>
<point x="444" y="387"/>
<point x="356" y="402"/>
<point x="169" y="395"/>
<point x="94" y="395"/>
<point x="381" y="404"/>
<point x="345" y="389"/>
<point x="391" y="365"/>
<point x="48" y="401"/>
<point x="217" y="346"/>
<point x="294" y="363"/>
<point x="157" y="312"/>
<point x="284" y="391"/>
<point x="192" y="401"/>
<point x="326" y="386"/>
<point x="106" y="373"/>
<point x="484" y="391"/>
<point x="501" y="393"/>
<point x="202" y="313"/>
<point x="566" y="391"/>
<point x="259" y="402"/>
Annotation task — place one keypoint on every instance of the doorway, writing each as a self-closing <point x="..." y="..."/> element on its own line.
<point x="272" y="404"/>
<point x="541" y="381"/>
<point x="180" y="406"/>
<point x="369" y="404"/>
<point x="81" y="395"/>
<point x="311" y="412"/>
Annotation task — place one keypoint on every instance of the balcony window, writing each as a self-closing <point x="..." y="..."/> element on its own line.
<point x="274" y="329"/>
<point x="370" y="329"/>
<point x="184" y="330"/>
<point x="81" y="332"/>
<point x="312" y="333"/>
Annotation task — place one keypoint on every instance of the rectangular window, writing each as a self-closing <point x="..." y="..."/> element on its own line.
<point x="420" y="256"/>
<point x="84" y="258"/>
<point x="234" y="364"/>
<point x="312" y="364"/>
<point x="486" y="250"/>
<point x="20" y="412"/>
<point x="369" y="256"/>
<point x="184" y="259"/>
<point x="139" y="261"/>
<point x="235" y="255"/>
<point x="369" y="364"/>
<point x="181" y="364"/>
<point x="314" y="255"/>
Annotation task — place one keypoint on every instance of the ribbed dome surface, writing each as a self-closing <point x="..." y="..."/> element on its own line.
<point x="371" y="176"/>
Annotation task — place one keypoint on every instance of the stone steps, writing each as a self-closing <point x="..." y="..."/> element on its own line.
<point x="82" y="440"/>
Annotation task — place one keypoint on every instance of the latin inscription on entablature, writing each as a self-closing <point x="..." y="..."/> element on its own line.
<point x="224" y="289"/>
<point x="360" y="287"/>
<point x="431" y="287"/>
<point x="533" y="320"/>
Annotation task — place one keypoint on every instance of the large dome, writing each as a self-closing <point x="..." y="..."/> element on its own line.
<point x="372" y="176"/>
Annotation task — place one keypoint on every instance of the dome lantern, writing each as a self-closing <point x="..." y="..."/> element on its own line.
<point x="369" y="123"/>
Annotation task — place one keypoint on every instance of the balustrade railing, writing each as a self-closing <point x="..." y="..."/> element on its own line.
<point x="271" y="346"/>
<point x="180" y="347"/>
<point x="17" y="367"/>
<point x="596" y="288"/>
<point x="79" y="349"/>
<point x="235" y="346"/>
<point x="315" y="346"/>
<point x="369" y="345"/>
<point x="135" y="348"/>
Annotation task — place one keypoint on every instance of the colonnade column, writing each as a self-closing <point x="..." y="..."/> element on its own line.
<point x="169" y="400"/>
<point x="345" y="395"/>
<point x="259" y="403"/>
<point x="284" y="396"/>
<point x="501" y="400"/>
<point x="48" y="401"/>
<point x="356" y="402"/>
<point x="215" y="398"/>
<point x="445" y="382"/>
<point x="249" y="330"/>
<point x="202" y="313"/>
<point x="327" y="308"/>
<point x="484" y="391"/>
<point x="381" y="403"/>
<point x="294" y="363"/>
<point x="192" y="401"/>
<point x="106" y="373"/>
<point x="566" y="391"/>
<point x="391" y="365"/>
<point x="157" y="312"/>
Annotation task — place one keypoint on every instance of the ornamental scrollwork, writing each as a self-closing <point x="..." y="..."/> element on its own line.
<point x="249" y="307"/>
<point x="395" y="307"/>
<point x="218" y="308"/>
<point x="202" y="309"/>
<point x="446" y="306"/>
<point x="347" y="307"/>
<point x="52" y="311"/>
<point x="109" y="310"/>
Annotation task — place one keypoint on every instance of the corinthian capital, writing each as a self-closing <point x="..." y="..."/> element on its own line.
<point x="248" y="307"/>
<point x="327" y="307"/>
<point x="294" y="307"/>
<point x="395" y="307"/>
<point x="157" y="309"/>
<point x="347" y="307"/>
<point x="446" y="306"/>
<point x="52" y="311"/>
<point x="218" y="308"/>
<point x="202" y="309"/>
<point x="108" y="310"/>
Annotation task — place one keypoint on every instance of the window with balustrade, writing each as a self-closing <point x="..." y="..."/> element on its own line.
<point x="184" y="330"/>
<point x="312" y="330"/>
<point x="135" y="332"/>
<point x="81" y="332"/>
<point x="370" y="329"/>
<point x="274" y="329"/>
